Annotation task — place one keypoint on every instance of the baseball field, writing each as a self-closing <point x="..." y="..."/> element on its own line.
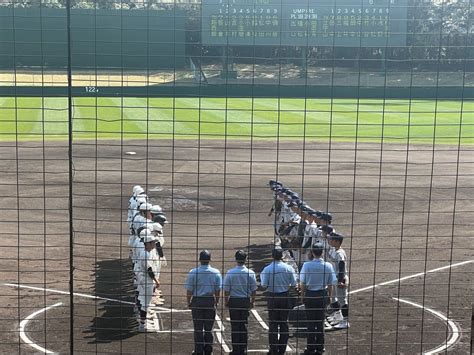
<point x="395" y="174"/>
<point x="364" y="120"/>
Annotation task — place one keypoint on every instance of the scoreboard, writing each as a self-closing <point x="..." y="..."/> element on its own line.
<point x="345" y="23"/>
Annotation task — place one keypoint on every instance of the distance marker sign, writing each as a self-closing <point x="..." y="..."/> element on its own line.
<point x="343" y="23"/>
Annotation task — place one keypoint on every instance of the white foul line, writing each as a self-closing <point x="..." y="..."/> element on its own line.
<point x="259" y="319"/>
<point x="409" y="277"/>
<point x="25" y="321"/>
<point x="219" y="334"/>
<point x="454" y="328"/>
<point x="68" y="293"/>
<point x="160" y="309"/>
<point x="257" y="316"/>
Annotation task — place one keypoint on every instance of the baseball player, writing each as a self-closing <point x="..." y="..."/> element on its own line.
<point x="139" y="223"/>
<point x="276" y="187"/>
<point x="140" y="200"/>
<point x="148" y="278"/>
<point x="143" y="218"/>
<point x="157" y="215"/>
<point x="337" y="256"/>
<point x="132" y="203"/>
<point x="157" y="230"/>
<point x="133" y="212"/>
<point x="317" y="230"/>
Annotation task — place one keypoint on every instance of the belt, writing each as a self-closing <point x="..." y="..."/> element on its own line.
<point x="277" y="293"/>
<point x="317" y="291"/>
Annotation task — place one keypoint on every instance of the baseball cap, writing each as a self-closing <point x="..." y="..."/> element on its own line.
<point x="336" y="236"/>
<point x="274" y="185"/>
<point x="147" y="236"/>
<point x="274" y="182"/>
<point x="327" y="228"/>
<point x="294" y="195"/>
<point x="204" y="255"/>
<point x="136" y="189"/>
<point x="156" y="227"/>
<point x="277" y="253"/>
<point x="142" y="199"/>
<point x="314" y="213"/>
<point x="160" y="218"/>
<point x="155" y="209"/>
<point x="240" y="255"/>
<point x="326" y="216"/>
<point x="145" y="206"/>
<point x="304" y="207"/>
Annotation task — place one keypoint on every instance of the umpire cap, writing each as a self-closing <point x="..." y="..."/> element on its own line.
<point x="277" y="253"/>
<point x="317" y="247"/>
<point x="204" y="255"/>
<point x="240" y="255"/>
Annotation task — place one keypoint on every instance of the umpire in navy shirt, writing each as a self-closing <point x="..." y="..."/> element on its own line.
<point x="277" y="278"/>
<point x="317" y="278"/>
<point x="240" y="286"/>
<point x="203" y="287"/>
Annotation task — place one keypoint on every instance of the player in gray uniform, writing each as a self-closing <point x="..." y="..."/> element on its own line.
<point x="277" y="188"/>
<point x="337" y="256"/>
<point x="316" y="231"/>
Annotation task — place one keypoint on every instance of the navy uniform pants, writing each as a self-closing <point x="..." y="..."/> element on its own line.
<point x="315" y="303"/>
<point x="204" y="314"/>
<point x="239" y="317"/>
<point x="278" y="312"/>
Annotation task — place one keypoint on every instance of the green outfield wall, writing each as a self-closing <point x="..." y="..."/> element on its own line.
<point x="100" y="39"/>
<point x="236" y="90"/>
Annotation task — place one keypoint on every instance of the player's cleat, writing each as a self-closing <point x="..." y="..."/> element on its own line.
<point x="276" y="241"/>
<point x="157" y="301"/>
<point x="336" y="318"/>
<point x="145" y="328"/>
<point x="344" y="324"/>
<point x="327" y="325"/>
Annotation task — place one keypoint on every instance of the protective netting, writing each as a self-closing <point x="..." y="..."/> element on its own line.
<point x="136" y="134"/>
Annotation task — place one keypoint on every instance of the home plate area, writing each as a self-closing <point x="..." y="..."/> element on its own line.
<point x="180" y="323"/>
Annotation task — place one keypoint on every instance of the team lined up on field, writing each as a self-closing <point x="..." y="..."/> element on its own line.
<point x="298" y="227"/>
<point x="146" y="223"/>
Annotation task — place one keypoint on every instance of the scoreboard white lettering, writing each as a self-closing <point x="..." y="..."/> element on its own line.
<point x="310" y="22"/>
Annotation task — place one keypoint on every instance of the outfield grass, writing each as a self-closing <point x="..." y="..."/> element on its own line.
<point x="422" y="121"/>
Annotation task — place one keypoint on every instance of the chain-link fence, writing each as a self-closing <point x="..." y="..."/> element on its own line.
<point x="359" y="111"/>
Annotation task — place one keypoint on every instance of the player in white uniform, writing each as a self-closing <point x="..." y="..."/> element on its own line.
<point x="142" y="219"/>
<point x="132" y="203"/>
<point x="140" y="200"/>
<point x="140" y="222"/>
<point x="337" y="256"/>
<point x="160" y="259"/>
<point x="148" y="278"/>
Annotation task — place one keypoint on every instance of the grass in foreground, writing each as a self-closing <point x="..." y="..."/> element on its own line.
<point x="420" y="121"/>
